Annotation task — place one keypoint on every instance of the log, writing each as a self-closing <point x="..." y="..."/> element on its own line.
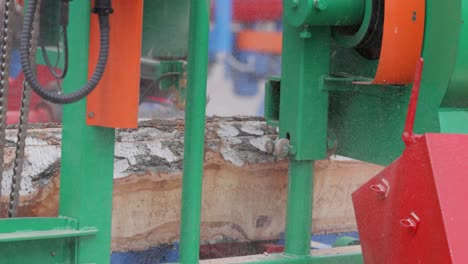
<point x="244" y="190"/>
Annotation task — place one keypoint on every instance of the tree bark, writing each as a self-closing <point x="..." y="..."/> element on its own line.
<point x="244" y="190"/>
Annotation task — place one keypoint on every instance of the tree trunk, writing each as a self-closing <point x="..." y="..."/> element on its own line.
<point x="244" y="190"/>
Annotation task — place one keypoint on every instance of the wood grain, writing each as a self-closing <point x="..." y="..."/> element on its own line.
<point x="244" y="190"/>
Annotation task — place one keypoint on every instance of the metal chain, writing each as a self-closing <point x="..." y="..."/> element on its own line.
<point x="23" y="125"/>
<point x="5" y="52"/>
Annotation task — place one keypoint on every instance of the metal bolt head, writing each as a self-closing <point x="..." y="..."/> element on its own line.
<point x="282" y="148"/>
<point x="305" y="33"/>
<point x="320" y="5"/>
<point x="91" y="114"/>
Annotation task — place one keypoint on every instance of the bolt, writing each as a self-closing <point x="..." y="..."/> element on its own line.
<point x="305" y="33"/>
<point x="320" y="5"/>
<point x="282" y="148"/>
<point x="91" y="114"/>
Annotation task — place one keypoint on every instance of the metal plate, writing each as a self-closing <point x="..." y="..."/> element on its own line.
<point x="410" y="212"/>
<point x="115" y="101"/>
<point x="402" y="41"/>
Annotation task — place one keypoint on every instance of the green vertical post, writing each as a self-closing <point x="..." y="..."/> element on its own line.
<point x="194" y="132"/>
<point x="87" y="153"/>
<point x="303" y="120"/>
<point x="299" y="210"/>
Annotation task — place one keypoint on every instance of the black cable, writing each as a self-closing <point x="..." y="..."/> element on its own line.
<point x="63" y="21"/>
<point x="103" y="9"/>
<point x="49" y="65"/>
<point x="156" y="83"/>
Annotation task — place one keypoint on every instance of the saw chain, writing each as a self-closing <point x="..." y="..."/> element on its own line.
<point x="5" y="50"/>
<point x="23" y="125"/>
<point x="6" y="41"/>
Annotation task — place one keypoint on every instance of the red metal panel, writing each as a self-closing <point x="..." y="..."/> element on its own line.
<point x="410" y="212"/>
<point x="257" y="10"/>
<point x="449" y="155"/>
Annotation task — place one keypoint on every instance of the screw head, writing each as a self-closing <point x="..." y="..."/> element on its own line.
<point x="320" y="5"/>
<point x="305" y="33"/>
<point x="282" y="148"/>
<point x="91" y="114"/>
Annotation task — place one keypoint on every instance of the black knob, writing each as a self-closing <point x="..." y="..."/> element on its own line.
<point x="103" y="7"/>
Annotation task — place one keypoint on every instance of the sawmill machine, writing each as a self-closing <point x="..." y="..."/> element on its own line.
<point x="348" y="69"/>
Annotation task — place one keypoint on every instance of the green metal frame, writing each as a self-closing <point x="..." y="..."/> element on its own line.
<point x="86" y="180"/>
<point x="194" y="132"/>
<point x="307" y="104"/>
<point x="307" y="65"/>
<point x="365" y="121"/>
<point x="87" y="168"/>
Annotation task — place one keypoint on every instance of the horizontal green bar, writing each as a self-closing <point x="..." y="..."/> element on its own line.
<point x="39" y="235"/>
<point x="264" y="259"/>
<point x="36" y="224"/>
<point x="352" y="258"/>
<point x="281" y="259"/>
<point x="453" y="120"/>
<point x="24" y="229"/>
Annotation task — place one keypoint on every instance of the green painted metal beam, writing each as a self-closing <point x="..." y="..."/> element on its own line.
<point x="324" y="12"/>
<point x="303" y="105"/>
<point x="281" y="259"/>
<point x="41" y="235"/>
<point x="39" y="252"/>
<point x="368" y="126"/>
<point x="299" y="208"/>
<point x="87" y="153"/>
<point x="36" y="224"/>
<point x="457" y="92"/>
<point x="351" y="258"/>
<point x="46" y="240"/>
<point x="454" y="120"/>
<point x="28" y="229"/>
<point x="194" y="132"/>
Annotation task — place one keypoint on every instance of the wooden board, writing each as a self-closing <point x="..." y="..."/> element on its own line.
<point x="244" y="187"/>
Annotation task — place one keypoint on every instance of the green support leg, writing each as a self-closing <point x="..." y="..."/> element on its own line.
<point x="87" y="153"/>
<point x="194" y="132"/>
<point x="299" y="210"/>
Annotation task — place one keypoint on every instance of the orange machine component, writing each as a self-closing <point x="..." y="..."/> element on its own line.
<point x="266" y="42"/>
<point x="402" y="41"/>
<point x="114" y="103"/>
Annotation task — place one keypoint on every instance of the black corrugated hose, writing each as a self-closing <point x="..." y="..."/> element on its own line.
<point x="103" y="9"/>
